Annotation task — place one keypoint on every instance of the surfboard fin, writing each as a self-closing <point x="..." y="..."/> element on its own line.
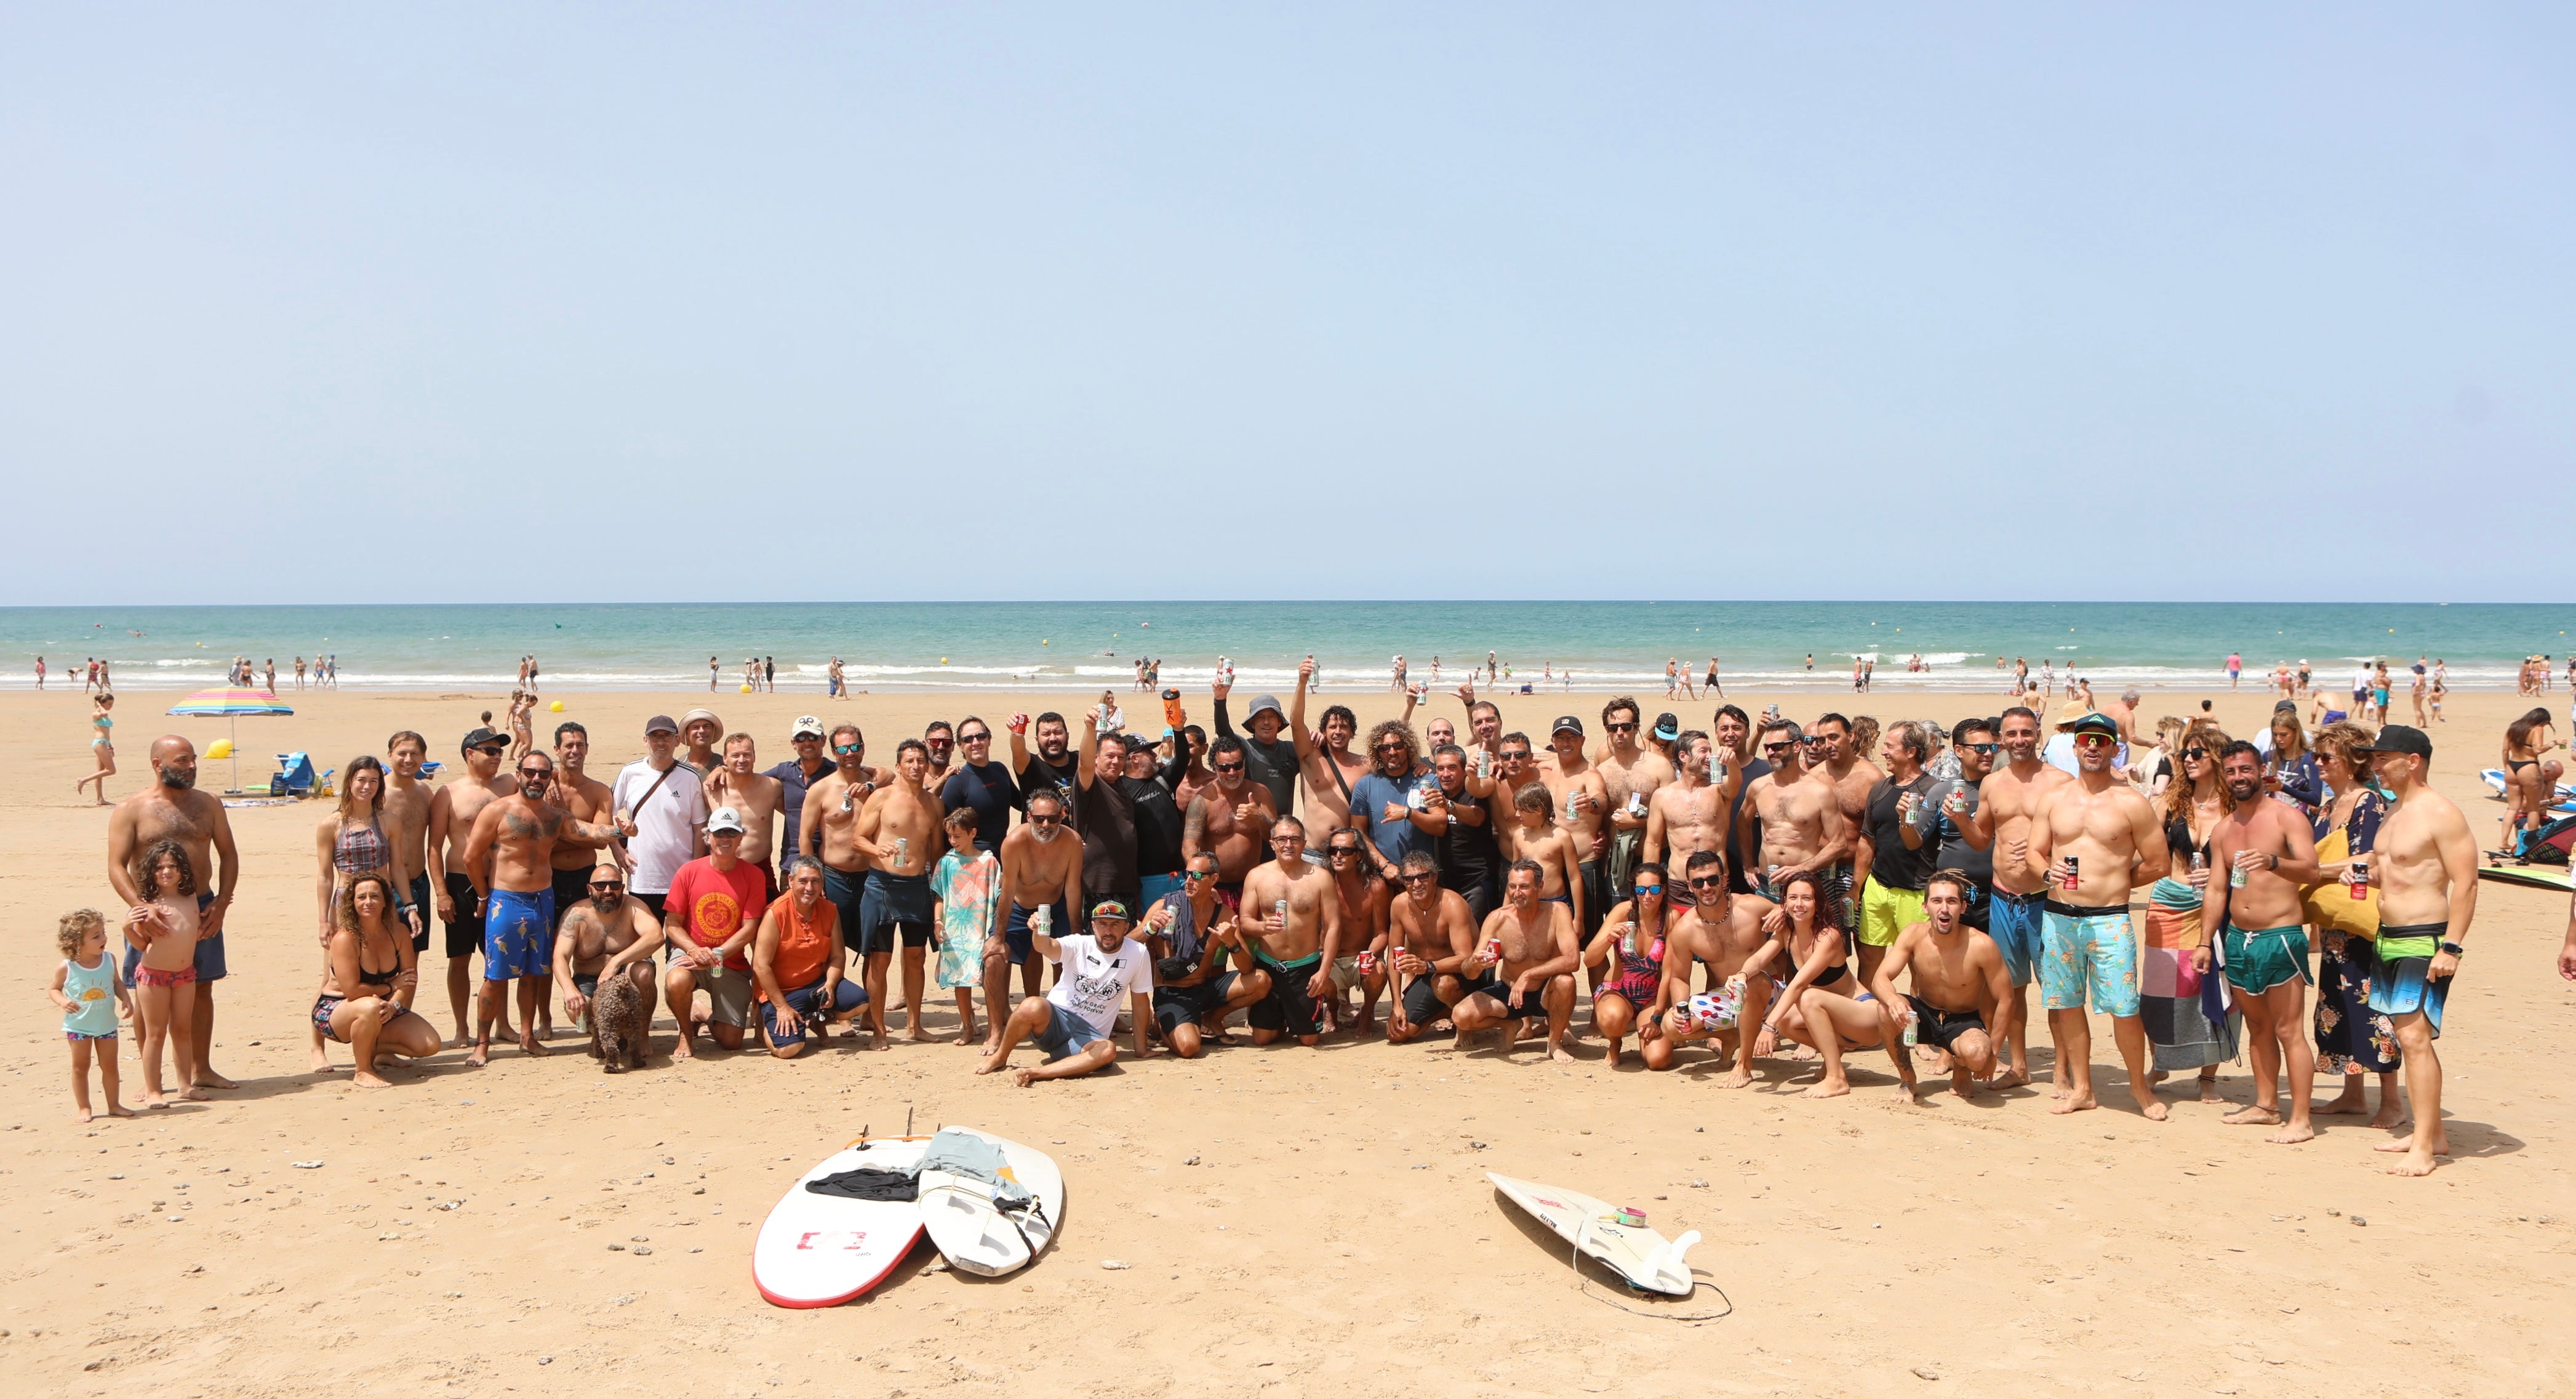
<point x="1668" y="1270"/>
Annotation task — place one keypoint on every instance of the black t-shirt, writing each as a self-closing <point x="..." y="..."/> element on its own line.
<point x="1108" y="819"/>
<point x="1041" y="773"/>
<point x="1468" y="856"/>
<point x="990" y="790"/>
<point x="1273" y="764"/>
<point x="1891" y="864"/>
<point x="1158" y="827"/>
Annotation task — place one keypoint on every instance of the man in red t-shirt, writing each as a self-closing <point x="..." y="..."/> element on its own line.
<point x="711" y="913"/>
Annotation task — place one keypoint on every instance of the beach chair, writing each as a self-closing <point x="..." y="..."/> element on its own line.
<point x="294" y="777"/>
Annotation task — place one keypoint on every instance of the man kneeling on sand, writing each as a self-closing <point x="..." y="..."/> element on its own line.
<point x="1959" y="988"/>
<point x="1072" y="1024"/>
<point x="796" y="961"/>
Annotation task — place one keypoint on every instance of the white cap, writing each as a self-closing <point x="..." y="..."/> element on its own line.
<point x="724" y="820"/>
<point x="805" y="724"/>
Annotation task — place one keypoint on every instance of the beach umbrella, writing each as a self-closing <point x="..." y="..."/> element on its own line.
<point x="230" y="704"/>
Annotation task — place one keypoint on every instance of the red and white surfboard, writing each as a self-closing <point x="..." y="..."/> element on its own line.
<point x="822" y="1250"/>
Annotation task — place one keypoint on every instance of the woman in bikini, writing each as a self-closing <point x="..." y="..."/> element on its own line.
<point x="1632" y="936"/>
<point x="165" y="977"/>
<point x="2528" y="782"/>
<point x="2181" y="1036"/>
<point x="368" y="981"/>
<point x="102" y="723"/>
<point x="1822" y="1004"/>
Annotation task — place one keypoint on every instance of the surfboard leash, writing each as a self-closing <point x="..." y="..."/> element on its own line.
<point x="1584" y="1285"/>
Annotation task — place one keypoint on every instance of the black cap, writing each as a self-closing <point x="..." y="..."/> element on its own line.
<point x="1668" y="726"/>
<point x="479" y="737"/>
<point x="1563" y="723"/>
<point x="2400" y="738"/>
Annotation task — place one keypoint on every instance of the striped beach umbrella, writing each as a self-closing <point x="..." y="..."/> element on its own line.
<point x="231" y="703"/>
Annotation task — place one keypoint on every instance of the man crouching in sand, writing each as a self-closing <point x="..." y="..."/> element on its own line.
<point x="1525" y="969"/>
<point x="610" y="934"/>
<point x="1072" y="1023"/>
<point x="1959" y="989"/>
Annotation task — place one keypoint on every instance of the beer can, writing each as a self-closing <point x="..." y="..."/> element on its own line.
<point x="1280" y="910"/>
<point x="2360" y="886"/>
<point x="2072" y="878"/>
<point x="1494" y="950"/>
<point x="1367" y="961"/>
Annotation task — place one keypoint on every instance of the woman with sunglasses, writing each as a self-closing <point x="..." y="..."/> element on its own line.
<point x="1633" y="934"/>
<point x="2174" y="1000"/>
<point x="1822" y="1005"/>
<point x="2351" y="1038"/>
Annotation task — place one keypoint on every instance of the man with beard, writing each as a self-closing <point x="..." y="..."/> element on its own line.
<point x="2006" y="800"/>
<point x="1158" y="821"/>
<point x="1230" y="819"/>
<point x="2269" y="853"/>
<point x="584" y="798"/>
<point x="941" y="741"/>
<point x="1430" y="934"/>
<point x="1275" y="761"/>
<point x="1363" y="899"/>
<point x="1690" y="814"/>
<point x="1801" y="826"/>
<point x="982" y="784"/>
<point x="510" y="860"/>
<point x="698" y="728"/>
<point x="1204" y="970"/>
<point x="1463" y="850"/>
<point x="1289" y="905"/>
<point x="796" y="777"/>
<point x="1731" y="747"/>
<point x="405" y="814"/>
<point x="1833" y="758"/>
<point x="1721" y="930"/>
<point x="1052" y="765"/>
<point x="1630" y="775"/>
<point x="1105" y="812"/>
<point x="2425" y="863"/>
<point x="2094" y="838"/>
<point x="173" y="809"/>
<point x="1583" y="805"/>
<point x="606" y="933"/>
<point x="1072" y="1026"/>
<point x="897" y="835"/>
<point x="1041" y="870"/>
<point x="1387" y="804"/>
<point x="1896" y="846"/>
<point x="754" y="796"/>
<point x="830" y="824"/>
<point x="1326" y="766"/>
<point x="453" y="809"/>
<point x="661" y="810"/>
<point x="1533" y="973"/>
<point x="1514" y="769"/>
<point x="1953" y="802"/>
<point x="1484" y="726"/>
<point x="1194" y="740"/>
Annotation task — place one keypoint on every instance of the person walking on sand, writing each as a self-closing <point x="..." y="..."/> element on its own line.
<point x="102" y="724"/>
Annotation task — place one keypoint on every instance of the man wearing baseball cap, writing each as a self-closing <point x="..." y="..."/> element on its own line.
<point x="1581" y="806"/>
<point x="662" y="811"/>
<point x="452" y="809"/>
<point x="711" y="913"/>
<point x="795" y="776"/>
<point x="2093" y="839"/>
<point x="2425" y="863"/>
<point x="1072" y="1023"/>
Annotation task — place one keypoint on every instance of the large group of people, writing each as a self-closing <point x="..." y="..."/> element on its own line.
<point x="1763" y="891"/>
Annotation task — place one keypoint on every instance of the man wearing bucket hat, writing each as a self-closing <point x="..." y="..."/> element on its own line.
<point x="1073" y="1022"/>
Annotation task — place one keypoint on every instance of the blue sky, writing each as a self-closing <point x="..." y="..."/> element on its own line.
<point x="635" y="303"/>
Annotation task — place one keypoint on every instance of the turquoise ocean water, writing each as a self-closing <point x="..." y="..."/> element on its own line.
<point x="1608" y="645"/>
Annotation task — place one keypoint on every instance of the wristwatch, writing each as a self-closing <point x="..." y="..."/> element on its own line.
<point x="2453" y="948"/>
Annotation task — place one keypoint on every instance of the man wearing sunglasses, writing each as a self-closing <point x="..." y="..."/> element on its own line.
<point x="605" y="933"/>
<point x="1953" y="804"/>
<point x="2094" y="839"/>
<point x="1289" y="906"/>
<point x="1630" y="774"/>
<point x="1690" y="814"/>
<point x="1388" y="803"/>
<point x="1207" y="972"/>
<point x="2000" y="820"/>
<point x="1525" y="969"/>
<point x="831" y="821"/>
<point x="1041" y="869"/>
<point x="1275" y="763"/>
<point x="796" y="778"/>
<point x="1469" y="861"/>
<point x="982" y="784"/>
<point x="1430" y="933"/>
<point x="1720" y="930"/>
<point x="1229" y="818"/>
<point x="1515" y="767"/>
<point x="1363" y="899"/>
<point x="941" y="740"/>
<point x="452" y="809"/>
<point x="1895" y="845"/>
<point x="510" y="860"/>
<point x="1799" y="821"/>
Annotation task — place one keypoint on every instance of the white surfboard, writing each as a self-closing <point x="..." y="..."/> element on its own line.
<point x="822" y="1250"/>
<point x="1648" y="1260"/>
<point x="2494" y="778"/>
<point x="977" y="1237"/>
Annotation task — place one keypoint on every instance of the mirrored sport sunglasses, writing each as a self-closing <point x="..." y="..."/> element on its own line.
<point x="2096" y="741"/>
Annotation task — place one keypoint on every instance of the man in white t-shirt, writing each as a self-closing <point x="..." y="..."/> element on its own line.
<point x="1072" y="1024"/>
<point x="661" y="810"/>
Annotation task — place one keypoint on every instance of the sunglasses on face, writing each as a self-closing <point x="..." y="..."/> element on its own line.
<point x="1344" y="852"/>
<point x="1781" y="747"/>
<point x="1520" y="756"/>
<point x="1648" y="891"/>
<point x="610" y="887"/>
<point x="806" y="738"/>
<point x="1229" y="767"/>
<point x="2096" y="741"/>
<point x="1419" y="877"/>
<point x="847" y="749"/>
<point x="935" y="742"/>
<point x="1288" y="838"/>
<point x="1986" y="748"/>
<point x="974" y="738"/>
<point x="491" y="752"/>
<point x="1707" y="881"/>
<point x="1195" y="876"/>
<point x="536" y="772"/>
<point x="1045" y="820"/>
<point x="2195" y="753"/>
<point x="1621" y="728"/>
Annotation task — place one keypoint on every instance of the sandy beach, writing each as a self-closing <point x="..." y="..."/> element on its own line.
<point x="459" y="1233"/>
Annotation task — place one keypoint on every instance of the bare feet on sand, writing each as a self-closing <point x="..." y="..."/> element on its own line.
<point x="369" y="1078"/>
<point x="1560" y="1055"/>
<point x="2008" y="1078"/>
<point x="2417" y="1163"/>
<point x="2252" y="1115"/>
<point x="1737" y="1079"/>
<point x="1024" y="1077"/>
<point x="2293" y="1134"/>
<point x="2209" y="1091"/>
<point x="528" y="1045"/>
<point x="2351" y="1100"/>
<point x="482" y="1054"/>
<point x="208" y="1078"/>
<point x="1829" y="1088"/>
<point x="2074" y="1102"/>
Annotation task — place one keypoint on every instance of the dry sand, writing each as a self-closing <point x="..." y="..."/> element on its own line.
<point x="1336" y="1234"/>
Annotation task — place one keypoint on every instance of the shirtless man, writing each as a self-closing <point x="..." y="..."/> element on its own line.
<point x="1630" y="775"/>
<point x="1363" y="901"/>
<point x="607" y="933"/>
<point x="1800" y="821"/>
<point x="584" y="798"/>
<point x="2269" y="853"/>
<point x="1430" y="935"/>
<point x="1229" y="818"/>
<point x="1547" y="845"/>
<point x="830" y="819"/>
<point x="453" y="809"/>
<point x="899" y="836"/>
<point x="1484" y="725"/>
<point x="1524" y="967"/>
<point x="509" y="858"/>
<point x="1690" y="813"/>
<point x="405" y="815"/>
<point x="1721" y="930"/>
<point x="173" y="809"/>
<point x="754" y="797"/>
<point x="2006" y="800"/>
<point x="1834" y="757"/>
<point x="1958" y="984"/>
<point x="2426" y="866"/>
<point x="1297" y="950"/>
<point x="1583" y="805"/>
<point x="2095" y="838"/>
<point x="1326" y="766"/>
<point x="1041" y="869"/>
<point x="1514" y="769"/>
